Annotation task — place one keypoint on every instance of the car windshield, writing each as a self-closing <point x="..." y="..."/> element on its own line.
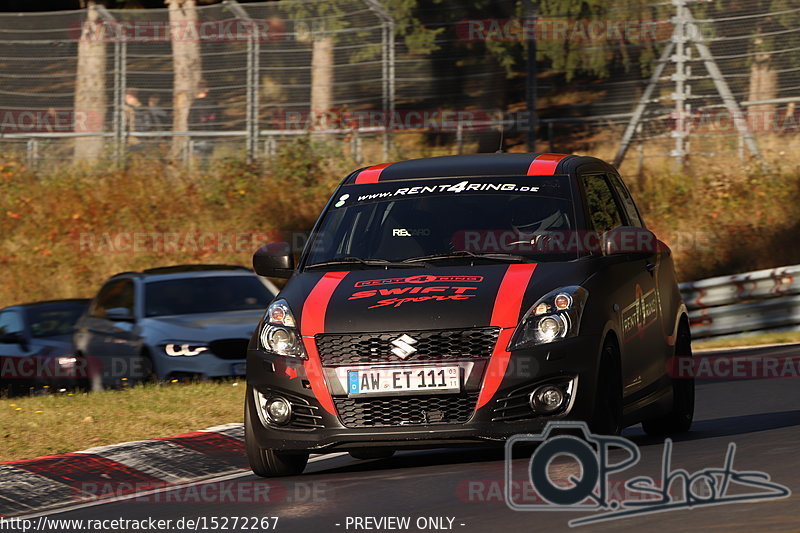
<point x="212" y="294"/>
<point x="432" y="220"/>
<point x="54" y="319"/>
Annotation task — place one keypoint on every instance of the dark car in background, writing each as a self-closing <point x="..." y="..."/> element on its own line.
<point x="178" y="322"/>
<point x="36" y="347"/>
<point x="461" y="300"/>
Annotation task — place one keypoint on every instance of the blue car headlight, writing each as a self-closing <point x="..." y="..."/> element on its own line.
<point x="555" y="316"/>
<point x="182" y="349"/>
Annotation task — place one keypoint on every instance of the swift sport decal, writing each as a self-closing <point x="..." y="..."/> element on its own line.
<point x="454" y="293"/>
<point x="312" y="322"/>
<point x="505" y="315"/>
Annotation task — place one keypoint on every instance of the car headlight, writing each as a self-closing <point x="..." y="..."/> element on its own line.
<point x="184" y="350"/>
<point x="279" y="334"/>
<point x="557" y="315"/>
<point x="67" y="361"/>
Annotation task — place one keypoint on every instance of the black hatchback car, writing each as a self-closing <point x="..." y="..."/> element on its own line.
<point x="461" y="300"/>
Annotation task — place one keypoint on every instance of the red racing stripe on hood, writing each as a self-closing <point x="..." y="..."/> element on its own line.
<point x="312" y="322"/>
<point x="371" y="174"/>
<point x="545" y="165"/>
<point x="505" y="315"/>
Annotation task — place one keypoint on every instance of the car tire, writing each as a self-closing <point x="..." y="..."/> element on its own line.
<point x="607" y="416"/>
<point x="679" y="419"/>
<point x="371" y="453"/>
<point x="265" y="462"/>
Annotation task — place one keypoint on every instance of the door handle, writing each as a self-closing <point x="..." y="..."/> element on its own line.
<point x="651" y="267"/>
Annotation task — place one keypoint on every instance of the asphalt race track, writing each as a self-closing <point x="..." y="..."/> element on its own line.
<point x="762" y="416"/>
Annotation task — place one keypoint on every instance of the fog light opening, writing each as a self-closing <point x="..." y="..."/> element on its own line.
<point x="279" y="410"/>
<point x="548" y="399"/>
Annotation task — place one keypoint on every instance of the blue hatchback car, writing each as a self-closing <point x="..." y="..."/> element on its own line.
<point x="191" y="321"/>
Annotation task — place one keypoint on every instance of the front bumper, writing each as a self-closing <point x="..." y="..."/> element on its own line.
<point x="206" y="365"/>
<point x="575" y="358"/>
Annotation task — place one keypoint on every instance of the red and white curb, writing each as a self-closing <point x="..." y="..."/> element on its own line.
<point x="55" y="481"/>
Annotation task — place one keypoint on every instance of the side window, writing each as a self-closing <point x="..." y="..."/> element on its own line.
<point x="627" y="201"/>
<point x="10" y="322"/>
<point x="603" y="209"/>
<point x="117" y="293"/>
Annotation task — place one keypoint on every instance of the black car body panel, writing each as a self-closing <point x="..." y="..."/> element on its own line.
<point x="40" y="351"/>
<point x="465" y="313"/>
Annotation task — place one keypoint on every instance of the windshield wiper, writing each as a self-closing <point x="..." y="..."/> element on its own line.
<point x="511" y="258"/>
<point x="366" y="262"/>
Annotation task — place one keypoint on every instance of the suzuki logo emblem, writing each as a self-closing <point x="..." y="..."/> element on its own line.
<point x="403" y="346"/>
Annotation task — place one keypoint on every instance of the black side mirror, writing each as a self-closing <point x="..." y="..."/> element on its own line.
<point x="119" y="314"/>
<point x="12" y="338"/>
<point x="630" y="240"/>
<point x="274" y="261"/>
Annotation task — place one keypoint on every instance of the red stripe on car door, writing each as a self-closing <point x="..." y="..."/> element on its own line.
<point x="545" y="165"/>
<point x="312" y="322"/>
<point x="505" y="315"/>
<point x="371" y="174"/>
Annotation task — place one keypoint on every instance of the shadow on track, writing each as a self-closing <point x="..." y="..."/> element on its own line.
<point x="726" y="427"/>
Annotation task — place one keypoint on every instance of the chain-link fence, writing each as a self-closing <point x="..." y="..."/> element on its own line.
<point x="683" y="81"/>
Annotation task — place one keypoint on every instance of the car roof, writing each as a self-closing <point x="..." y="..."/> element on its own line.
<point x="186" y="271"/>
<point x="78" y="301"/>
<point x="474" y="165"/>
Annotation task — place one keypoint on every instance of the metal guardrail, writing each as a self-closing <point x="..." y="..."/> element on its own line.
<point x="754" y="301"/>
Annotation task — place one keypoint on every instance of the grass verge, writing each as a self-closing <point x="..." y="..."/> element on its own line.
<point x="59" y="423"/>
<point x="749" y="340"/>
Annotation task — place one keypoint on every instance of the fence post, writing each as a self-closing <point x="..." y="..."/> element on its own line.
<point x="32" y="152"/>
<point x="120" y="85"/>
<point x="679" y="77"/>
<point x="388" y="71"/>
<point x="252" y="79"/>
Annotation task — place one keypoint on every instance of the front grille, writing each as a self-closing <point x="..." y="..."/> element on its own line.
<point x="433" y="345"/>
<point x="406" y="410"/>
<point x="229" y="348"/>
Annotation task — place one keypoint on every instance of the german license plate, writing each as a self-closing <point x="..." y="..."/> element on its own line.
<point x="415" y="379"/>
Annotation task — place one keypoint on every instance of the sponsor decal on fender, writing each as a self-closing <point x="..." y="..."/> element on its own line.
<point x="420" y="279"/>
<point x="641" y="313"/>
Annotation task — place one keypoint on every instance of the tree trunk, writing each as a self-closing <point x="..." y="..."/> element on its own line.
<point x="763" y="86"/>
<point x="187" y="66"/>
<point x="321" y="81"/>
<point x="90" y="87"/>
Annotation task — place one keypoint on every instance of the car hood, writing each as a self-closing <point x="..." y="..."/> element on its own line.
<point x="206" y="326"/>
<point x="451" y="297"/>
